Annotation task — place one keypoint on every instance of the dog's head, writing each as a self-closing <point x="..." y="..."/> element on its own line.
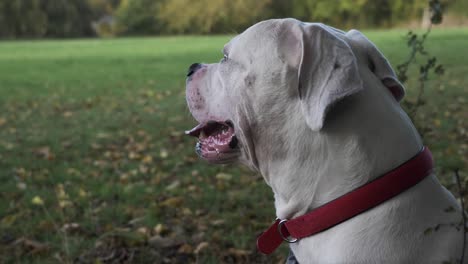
<point x="275" y="82"/>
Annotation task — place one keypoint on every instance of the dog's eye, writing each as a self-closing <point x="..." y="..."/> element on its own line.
<point x="225" y="58"/>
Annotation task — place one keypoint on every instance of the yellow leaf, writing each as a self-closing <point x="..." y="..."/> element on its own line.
<point x="64" y="203"/>
<point x="147" y="159"/>
<point x="159" y="229"/>
<point x="133" y="155"/>
<point x="173" y="202"/>
<point x="186" y="211"/>
<point x="37" y="201"/>
<point x="9" y="220"/>
<point x="61" y="194"/>
<point x="238" y="252"/>
<point x="82" y="193"/>
<point x="163" y="153"/>
<point x="223" y="176"/>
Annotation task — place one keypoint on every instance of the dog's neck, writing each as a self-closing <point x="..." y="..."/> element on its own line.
<point x="361" y="141"/>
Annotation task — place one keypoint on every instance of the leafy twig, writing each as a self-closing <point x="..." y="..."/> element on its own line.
<point x="416" y="43"/>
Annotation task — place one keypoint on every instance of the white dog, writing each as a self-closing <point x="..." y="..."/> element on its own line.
<point x="315" y="110"/>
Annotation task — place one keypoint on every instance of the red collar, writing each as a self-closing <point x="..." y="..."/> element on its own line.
<point x="349" y="205"/>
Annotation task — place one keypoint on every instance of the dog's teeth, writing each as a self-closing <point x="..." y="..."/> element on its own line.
<point x="202" y="134"/>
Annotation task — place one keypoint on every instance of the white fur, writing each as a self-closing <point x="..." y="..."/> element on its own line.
<point x="315" y="132"/>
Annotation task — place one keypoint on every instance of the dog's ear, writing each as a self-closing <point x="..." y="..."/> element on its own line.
<point x="327" y="68"/>
<point x="378" y="64"/>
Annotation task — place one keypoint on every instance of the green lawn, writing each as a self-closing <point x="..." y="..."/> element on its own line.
<point x="94" y="164"/>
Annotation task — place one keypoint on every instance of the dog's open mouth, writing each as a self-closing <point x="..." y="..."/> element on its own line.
<point x="217" y="141"/>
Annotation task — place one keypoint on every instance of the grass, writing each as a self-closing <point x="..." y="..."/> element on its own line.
<point x="94" y="164"/>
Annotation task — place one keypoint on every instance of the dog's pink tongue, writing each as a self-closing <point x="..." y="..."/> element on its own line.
<point x="219" y="140"/>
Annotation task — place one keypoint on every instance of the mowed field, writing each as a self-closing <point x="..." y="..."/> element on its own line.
<point x="95" y="167"/>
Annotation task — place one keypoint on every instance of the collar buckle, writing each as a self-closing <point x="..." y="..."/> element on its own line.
<point x="288" y="238"/>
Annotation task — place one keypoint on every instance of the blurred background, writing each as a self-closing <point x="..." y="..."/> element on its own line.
<point x="106" y="18"/>
<point x="94" y="163"/>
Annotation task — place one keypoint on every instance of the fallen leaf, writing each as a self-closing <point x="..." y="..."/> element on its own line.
<point x="45" y="153"/>
<point x="159" y="229"/>
<point x="173" y="185"/>
<point x="187" y="211"/>
<point x="8" y="145"/>
<point x="240" y="255"/>
<point x="143" y="230"/>
<point x="133" y="155"/>
<point x="22" y="173"/>
<point x="65" y="203"/>
<point x="218" y="222"/>
<point x="136" y="221"/>
<point x="71" y="227"/>
<point x="143" y="169"/>
<point x="82" y="193"/>
<point x="147" y="159"/>
<point x="9" y="219"/>
<point x="173" y="202"/>
<point x="185" y="249"/>
<point x="201" y="247"/>
<point x="46" y="226"/>
<point x="223" y="176"/>
<point x="37" y="201"/>
<point x="163" y="153"/>
<point x="21" y="185"/>
<point x="102" y="135"/>
<point x="31" y="246"/>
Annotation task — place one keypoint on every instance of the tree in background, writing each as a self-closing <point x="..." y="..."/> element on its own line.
<point x="69" y="18"/>
<point x="45" y="18"/>
<point x="211" y="16"/>
<point x="138" y="17"/>
<point x="22" y="18"/>
<point x="85" y="18"/>
<point x="358" y="13"/>
<point x="244" y="13"/>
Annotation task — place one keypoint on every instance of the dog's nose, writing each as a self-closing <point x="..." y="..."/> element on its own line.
<point x="193" y="68"/>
